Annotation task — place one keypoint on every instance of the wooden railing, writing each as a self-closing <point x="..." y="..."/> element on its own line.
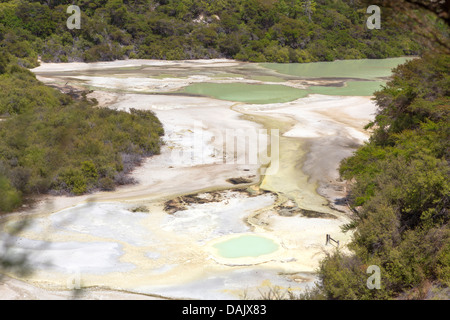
<point x="329" y="239"/>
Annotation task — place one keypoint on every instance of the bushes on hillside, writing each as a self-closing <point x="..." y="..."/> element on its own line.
<point x="51" y="143"/>
<point x="401" y="190"/>
<point x="252" y="30"/>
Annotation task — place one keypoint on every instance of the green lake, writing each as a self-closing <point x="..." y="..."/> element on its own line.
<point x="247" y="93"/>
<point x="369" y="69"/>
<point x="351" y="88"/>
<point x="368" y="74"/>
<point x="274" y="93"/>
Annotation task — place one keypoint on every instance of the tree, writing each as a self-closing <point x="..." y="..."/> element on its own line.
<point x="118" y="12"/>
<point x="4" y="60"/>
<point x="309" y="7"/>
<point x="423" y="17"/>
<point x="440" y="8"/>
<point x="10" y="198"/>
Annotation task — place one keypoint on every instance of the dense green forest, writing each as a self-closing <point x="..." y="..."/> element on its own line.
<point x="52" y="143"/>
<point x="400" y="196"/>
<point x="251" y="30"/>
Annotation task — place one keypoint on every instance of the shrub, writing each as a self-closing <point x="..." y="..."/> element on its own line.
<point x="10" y="198"/>
<point x="106" y="184"/>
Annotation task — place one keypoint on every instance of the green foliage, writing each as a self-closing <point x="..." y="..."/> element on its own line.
<point x="401" y="190"/>
<point x="21" y="92"/>
<point x="10" y="198"/>
<point x="51" y="143"/>
<point x="73" y="180"/>
<point x="417" y="91"/>
<point x="252" y="30"/>
<point x="4" y="60"/>
<point x="344" y="278"/>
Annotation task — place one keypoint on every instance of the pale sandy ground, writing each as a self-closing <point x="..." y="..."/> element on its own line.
<point x="170" y="256"/>
<point x="150" y="76"/>
<point x="13" y="289"/>
<point x="81" y="66"/>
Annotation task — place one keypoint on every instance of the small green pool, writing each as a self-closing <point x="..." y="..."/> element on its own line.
<point x="246" y="246"/>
